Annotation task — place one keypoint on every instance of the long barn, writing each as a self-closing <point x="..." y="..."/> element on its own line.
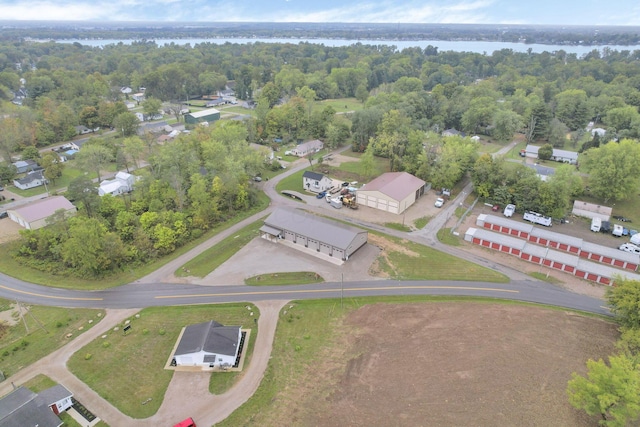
<point x="324" y="235"/>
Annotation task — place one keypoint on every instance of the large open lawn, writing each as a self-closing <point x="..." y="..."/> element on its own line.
<point x="128" y="370"/>
<point x="38" y="332"/>
<point x="462" y="363"/>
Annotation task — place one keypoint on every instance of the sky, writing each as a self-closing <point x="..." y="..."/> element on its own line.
<point x="537" y="12"/>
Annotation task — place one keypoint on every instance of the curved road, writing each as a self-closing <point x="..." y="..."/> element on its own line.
<point x="189" y="391"/>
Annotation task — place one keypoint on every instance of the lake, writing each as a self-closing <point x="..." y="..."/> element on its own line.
<point x="457" y="46"/>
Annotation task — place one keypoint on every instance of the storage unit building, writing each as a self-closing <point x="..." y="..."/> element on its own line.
<point x="324" y="235"/>
<point x="391" y="192"/>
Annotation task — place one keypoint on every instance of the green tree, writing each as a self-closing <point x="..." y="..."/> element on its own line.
<point x="81" y="190"/>
<point x="479" y="114"/>
<point x="572" y="108"/>
<point x="545" y="152"/>
<point x="94" y="158"/>
<point x="610" y="391"/>
<point x="557" y="133"/>
<point x="622" y="117"/>
<point x="505" y="124"/>
<point x="126" y="123"/>
<point x="30" y="153"/>
<point x="52" y="165"/>
<point x="624" y="301"/>
<point x="7" y="172"/>
<point x="151" y="107"/>
<point x="613" y="169"/>
<point x="367" y="162"/>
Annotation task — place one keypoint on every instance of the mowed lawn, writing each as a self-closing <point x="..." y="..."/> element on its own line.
<point x="129" y="370"/>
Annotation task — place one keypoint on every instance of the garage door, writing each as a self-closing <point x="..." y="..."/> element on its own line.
<point x="312" y="244"/>
<point x="382" y="205"/>
<point x="393" y="207"/>
<point x="361" y="199"/>
<point x="289" y="236"/>
<point x="325" y="249"/>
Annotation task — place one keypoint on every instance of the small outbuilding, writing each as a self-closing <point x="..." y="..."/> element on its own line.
<point x="316" y="182"/>
<point x="391" y="192"/>
<point x="208" y="345"/>
<point x="311" y="231"/>
<point x="208" y="115"/>
<point x="34" y="215"/>
<point x="591" y="210"/>
<point x="24" y="166"/>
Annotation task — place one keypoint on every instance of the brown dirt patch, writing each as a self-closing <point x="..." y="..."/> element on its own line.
<point x="9" y="230"/>
<point x="387" y="247"/>
<point x="454" y="364"/>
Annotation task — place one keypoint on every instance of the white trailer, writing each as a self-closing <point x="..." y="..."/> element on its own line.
<point x="537" y="218"/>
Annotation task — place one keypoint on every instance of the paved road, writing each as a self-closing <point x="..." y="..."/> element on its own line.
<point x="189" y="392"/>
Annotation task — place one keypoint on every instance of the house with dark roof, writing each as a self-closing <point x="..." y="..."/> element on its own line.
<point x="34" y="215"/>
<point x="22" y="407"/>
<point x="313" y="232"/>
<point x="30" y="180"/>
<point x="209" y="345"/>
<point x="316" y="182"/>
<point x="453" y="132"/>
<point x="391" y="192"/>
<point x="23" y="166"/>
<point x="557" y="155"/>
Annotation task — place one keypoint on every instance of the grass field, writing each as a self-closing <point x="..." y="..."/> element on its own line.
<point x="422" y="222"/>
<point x="342" y="105"/>
<point x="214" y="257"/>
<point x="444" y="235"/>
<point x="128" y="370"/>
<point x="10" y="266"/>
<point x="46" y="330"/>
<point x="405" y="260"/>
<point x="286" y="278"/>
<point x="292" y="183"/>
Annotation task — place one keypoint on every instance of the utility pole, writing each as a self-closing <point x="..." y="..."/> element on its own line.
<point x="341" y="291"/>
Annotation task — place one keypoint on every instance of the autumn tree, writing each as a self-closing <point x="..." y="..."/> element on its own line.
<point x="94" y="158"/>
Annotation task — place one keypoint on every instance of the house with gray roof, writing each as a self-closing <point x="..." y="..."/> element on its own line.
<point x="208" y="345"/>
<point x="23" y="166"/>
<point x="307" y="148"/>
<point x="391" y="192"/>
<point x="316" y="182"/>
<point x="30" y="180"/>
<point x="326" y="236"/>
<point x="563" y="156"/>
<point x="22" y="407"/>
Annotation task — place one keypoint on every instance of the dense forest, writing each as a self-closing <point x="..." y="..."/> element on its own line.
<point x="409" y="97"/>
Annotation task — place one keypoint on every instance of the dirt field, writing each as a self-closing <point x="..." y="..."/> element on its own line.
<point x="446" y="364"/>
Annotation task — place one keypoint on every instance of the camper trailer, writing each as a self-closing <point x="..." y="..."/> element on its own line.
<point x="537" y="218"/>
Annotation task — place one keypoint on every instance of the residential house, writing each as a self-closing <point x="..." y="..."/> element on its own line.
<point x="598" y="131"/>
<point x="126" y="90"/>
<point x="138" y="97"/>
<point x="22" y="407"/>
<point x="316" y="182"/>
<point x="563" y="156"/>
<point x="121" y="183"/>
<point x="543" y="172"/>
<point x="31" y="180"/>
<point x="307" y="148"/>
<point x="391" y="192"/>
<point x="24" y="166"/>
<point x="35" y="214"/>
<point x="208" y="345"/>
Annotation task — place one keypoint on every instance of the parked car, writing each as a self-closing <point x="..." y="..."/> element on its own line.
<point x="605" y="227"/>
<point x="3" y="214"/>
<point x="596" y="224"/>
<point x="1" y="188"/>
<point x="509" y="210"/>
<point x="257" y="179"/>
<point x="621" y="218"/>
<point x="495" y="208"/>
<point x="617" y="230"/>
<point x="345" y="184"/>
<point x="630" y="247"/>
<point x="439" y="202"/>
<point x="321" y="195"/>
<point x="186" y="423"/>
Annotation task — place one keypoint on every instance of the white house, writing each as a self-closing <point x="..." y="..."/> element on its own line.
<point x="31" y="180"/>
<point x="208" y="345"/>
<point x="563" y="156"/>
<point x="308" y="147"/>
<point x="139" y="97"/>
<point x="599" y="131"/>
<point x="316" y="182"/>
<point x="121" y="183"/>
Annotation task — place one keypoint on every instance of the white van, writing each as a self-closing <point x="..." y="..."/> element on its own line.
<point x="596" y="223"/>
<point x="509" y="210"/>
<point x="630" y="247"/>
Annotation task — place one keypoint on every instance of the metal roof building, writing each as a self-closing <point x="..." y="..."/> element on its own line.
<point x="35" y="215"/>
<point x="324" y="235"/>
<point x="391" y="192"/>
<point x="209" y="115"/>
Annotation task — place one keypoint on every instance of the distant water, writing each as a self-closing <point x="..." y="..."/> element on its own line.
<point x="457" y="46"/>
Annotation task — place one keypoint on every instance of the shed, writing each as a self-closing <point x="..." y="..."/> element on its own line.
<point x="316" y="182"/>
<point x="208" y="115"/>
<point x="23" y="166"/>
<point x="34" y="215"/>
<point x="208" y="344"/>
<point x="591" y="210"/>
<point x="391" y="192"/>
<point x="324" y="235"/>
